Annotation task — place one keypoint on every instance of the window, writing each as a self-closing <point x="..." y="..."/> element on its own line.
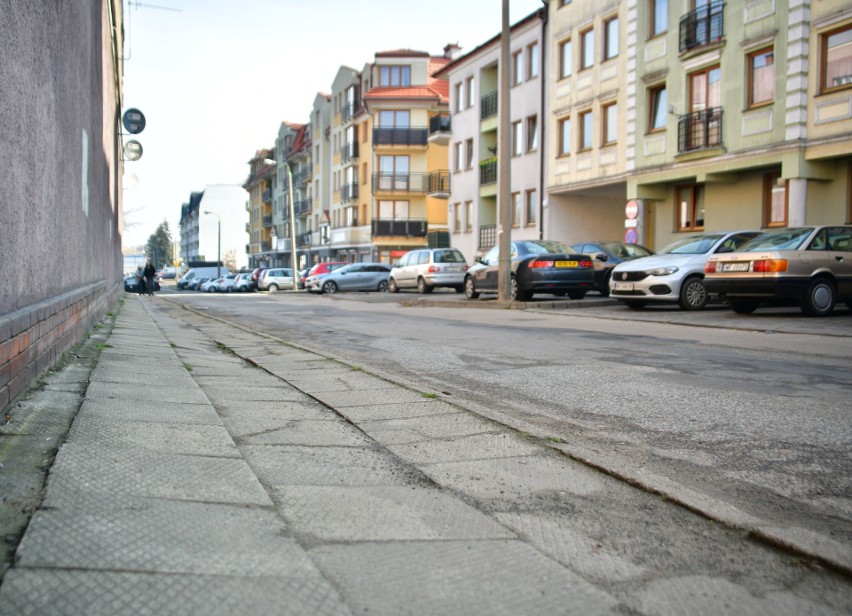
<point x="469" y="98"/>
<point x="657" y="108"/>
<point x="564" y="136"/>
<point x="351" y="216"/>
<point x="392" y="75"/>
<point x="836" y="69"/>
<point x="517" y="68"/>
<point x="468" y="154"/>
<point x="610" y="123"/>
<point x="393" y="173"/>
<point x="393" y="210"/>
<point x="532" y="60"/>
<point x="611" y="38"/>
<point x="585" y="131"/>
<point x="516" y="209"/>
<point x="659" y="12"/>
<point x="690" y="207"/>
<point x="516" y="138"/>
<point x="457" y="217"/>
<point x="530" y="206"/>
<point x="532" y="133"/>
<point x="468" y="216"/>
<point x="761" y="77"/>
<point x="457" y="92"/>
<point x="394" y="119"/>
<point x="774" y="200"/>
<point x="565" y="58"/>
<point x="587" y="49"/>
<point x="457" y="156"/>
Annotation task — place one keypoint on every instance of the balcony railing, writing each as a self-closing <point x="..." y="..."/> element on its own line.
<point x="348" y="192"/>
<point x="304" y="239"/>
<point x="248" y="227"/>
<point x="488" y="105"/>
<point x="487" y="236"/>
<point x="440" y="124"/>
<point x="488" y="171"/>
<point x="699" y="130"/>
<point x="349" y="151"/>
<point x="400" y="136"/>
<point x="302" y="206"/>
<point x="400" y="182"/>
<point x="702" y="26"/>
<point x="266" y="196"/>
<point x="265" y="246"/>
<point x="267" y="221"/>
<point x="300" y="177"/>
<point x="439" y="183"/>
<point x="410" y="227"/>
<point x="349" y="110"/>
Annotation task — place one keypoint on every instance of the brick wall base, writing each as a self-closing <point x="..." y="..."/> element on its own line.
<point x="33" y="338"/>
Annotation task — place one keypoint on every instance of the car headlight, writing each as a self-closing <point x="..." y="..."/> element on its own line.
<point x="662" y="271"/>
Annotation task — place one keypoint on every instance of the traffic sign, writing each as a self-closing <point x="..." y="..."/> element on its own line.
<point x="630" y="236"/>
<point x="631" y="210"/>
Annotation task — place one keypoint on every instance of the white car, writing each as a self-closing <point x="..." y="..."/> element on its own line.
<point x="427" y="268"/>
<point x="675" y="274"/>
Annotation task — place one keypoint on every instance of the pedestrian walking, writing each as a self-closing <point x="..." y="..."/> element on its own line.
<point x="149" y="272"/>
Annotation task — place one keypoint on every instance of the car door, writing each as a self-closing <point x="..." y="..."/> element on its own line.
<point x="840" y="259"/>
<point x="409" y="272"/>
<point x="400" y="272"/>
<point x="352" y="279"/>
<point x="486" y="276"/>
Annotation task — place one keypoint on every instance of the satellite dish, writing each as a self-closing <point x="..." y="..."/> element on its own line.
<point x="132" y="150"/>
<point x="134" y="121"/>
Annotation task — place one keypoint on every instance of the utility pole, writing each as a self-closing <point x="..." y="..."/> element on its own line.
<point x="504" y="193"/>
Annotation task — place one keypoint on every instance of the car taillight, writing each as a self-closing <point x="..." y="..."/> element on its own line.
<point x="433" y="268"/>
<point x="541" y="264"/>
<point x="770" y="266"/>
<point x="710" y="268"/>
<point x="586" y="264"/>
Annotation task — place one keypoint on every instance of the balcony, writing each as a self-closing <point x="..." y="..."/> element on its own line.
<point x="439" y="184"/>
<point x="349" y="151"/>
<point x="266" y="196"/>
<point x="400" y="182"/>
<point x="349" y="111"/>
<point x="267" y="221"/>
<point x="300" y="177"/>
<point x="304" y="239"/>
<point x="488" y="105"/>
<point x="702" y="26"/>
<point x="440" y="129"/>
<point x="302" y="206"/>
<point x="700" y="130"/>
<point x="265" y="246"/>
<point x="248" y="227"/>
<point x="348" y="192"/>
<point x="400" y="136"/>
<point x="488" y="171"/>
<point x="487" y="236"/>
<point x="395" y="228"/>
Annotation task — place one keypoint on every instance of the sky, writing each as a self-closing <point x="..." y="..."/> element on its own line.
<point x="215" y="79"/>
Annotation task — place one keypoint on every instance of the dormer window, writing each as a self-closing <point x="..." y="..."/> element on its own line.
<point x="395" y="75"/>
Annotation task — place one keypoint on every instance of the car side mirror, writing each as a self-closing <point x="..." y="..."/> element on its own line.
<point x="480" y="260"/>
<point x="602" y="256"/>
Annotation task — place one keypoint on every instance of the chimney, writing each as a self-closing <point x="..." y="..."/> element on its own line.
<point x="451" y="50"/>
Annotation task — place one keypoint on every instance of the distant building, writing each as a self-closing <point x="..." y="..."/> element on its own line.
<point x="199" y="232"/>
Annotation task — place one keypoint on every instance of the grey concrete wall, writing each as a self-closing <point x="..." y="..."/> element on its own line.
<point x="59" y="159"/>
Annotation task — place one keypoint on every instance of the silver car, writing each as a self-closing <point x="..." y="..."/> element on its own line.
<point x="356" y="277"/>
<point x="675" y="274"/>
<point x="808" y="266"/>
<point x="275" y="278"/>
<point x="427" y="268"/>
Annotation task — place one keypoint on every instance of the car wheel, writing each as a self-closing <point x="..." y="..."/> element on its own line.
<point x="577" y="294"/>
<point x="470" y="291"/>
<point x="518" y="294"/>
<point x="273" y="287"/>
<point x="392" y="288"/>
<point x="693" y="294"/>
<point x="635" y="304"/>
<point x="742" y="306"/>
<point x="819" y="298"/>
<point x="329" y="287"/>
<point x="383" y="286"/>
<point x="422" y="287"/>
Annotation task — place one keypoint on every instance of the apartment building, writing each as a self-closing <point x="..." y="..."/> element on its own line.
<point x="406" y="206"/>
<point x="319" y="221"/>
<point x="743" y="115"/>
<point x="474" y="83"/>
<point x="212" y="226"/>
<point x="294" y="168"/>
<point x="259" y="228"/>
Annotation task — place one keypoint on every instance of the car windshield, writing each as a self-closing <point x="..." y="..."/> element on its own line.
<point x="544" y="247"/>
<point x="448" y="256"/>
<point x="626" y="251"/>
<point x="693" y="245"/>
<point x="778" y="239"/>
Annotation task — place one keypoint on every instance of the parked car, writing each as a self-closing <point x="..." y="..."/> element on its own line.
<point x="312" y="281"/>
<point x="606" y="255"/>
<point x="167" y="273"/>
<point x="243" y="282"/>
<point x="676" y="273"/>
<point x="357" y="277"/>
<point x="211" y="285"/>
<point x="427" y="268"/>
<point x="300" y="279"/>
<point x="538" y="266"/>
<point x="223" y="284"/>
<point x="133" y="285"/>
<point x="808" y="266"/>
<point x="195" y="272"/>
<point x="195" y="283"/>
<point x="275" y="278"/>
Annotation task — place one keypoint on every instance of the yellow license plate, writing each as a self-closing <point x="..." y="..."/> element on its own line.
<point x="566" y="264"/>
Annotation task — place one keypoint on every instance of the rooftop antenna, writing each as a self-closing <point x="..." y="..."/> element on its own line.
<point x="137" y="5"/>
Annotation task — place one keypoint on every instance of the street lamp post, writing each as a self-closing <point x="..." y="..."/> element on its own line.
<point x="218" y="243"/>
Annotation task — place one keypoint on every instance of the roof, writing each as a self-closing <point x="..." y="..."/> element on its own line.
<point x="436" y="88"/>
<point x="302" y="140"/>
<point x="402" y="53"/>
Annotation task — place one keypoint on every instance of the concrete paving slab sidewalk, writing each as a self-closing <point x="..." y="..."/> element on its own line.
<point x="243" y="483"/>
